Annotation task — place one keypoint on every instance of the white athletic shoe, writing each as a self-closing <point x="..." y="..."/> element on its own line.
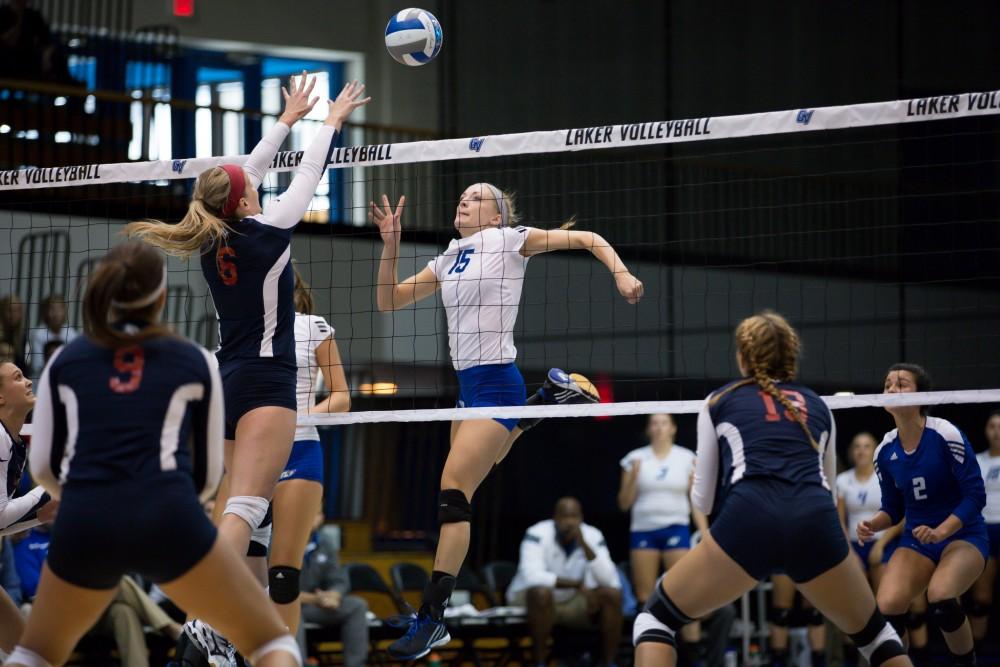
<point x="217" y="649"/>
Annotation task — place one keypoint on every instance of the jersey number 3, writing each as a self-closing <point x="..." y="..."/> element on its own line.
<point x="128" y="361"/>
<point x="225" y="265"/>
<point x="462" y="260"/>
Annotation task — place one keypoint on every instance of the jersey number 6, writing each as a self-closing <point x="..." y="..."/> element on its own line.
<point x="128" y="360"/>
<point x="772" y="410"/>
<point x="225" y="265"/>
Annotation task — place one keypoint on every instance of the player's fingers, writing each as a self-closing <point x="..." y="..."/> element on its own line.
<point x="284" y="93"/>
<point x="312" y="84"/>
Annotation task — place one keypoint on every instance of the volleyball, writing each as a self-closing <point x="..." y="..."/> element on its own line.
<point x="413" y="37"/>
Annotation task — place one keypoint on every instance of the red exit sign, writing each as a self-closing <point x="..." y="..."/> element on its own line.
<point x="184" y="8"/>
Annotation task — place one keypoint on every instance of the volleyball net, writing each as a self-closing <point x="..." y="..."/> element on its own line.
<point x="871" y="227"/>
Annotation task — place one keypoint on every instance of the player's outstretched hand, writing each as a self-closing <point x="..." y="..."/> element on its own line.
<point x="297" y="101"/>
<point x="629" y="287"/>
<point x="387" y="218"/>
<point x="865" y="532"/>
<point x="347" y="101"/>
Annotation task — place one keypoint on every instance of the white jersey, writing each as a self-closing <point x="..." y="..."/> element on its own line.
<point x="481" y="277"/>
<point x="990" y="467"/>
<point x="662" y="498"/>
<point x="310" y="331"/>
<point x="13" y="455"/>
<point x="861" y="499"/>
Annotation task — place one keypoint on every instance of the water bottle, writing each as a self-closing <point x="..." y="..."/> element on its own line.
<point x="730" y="659"/>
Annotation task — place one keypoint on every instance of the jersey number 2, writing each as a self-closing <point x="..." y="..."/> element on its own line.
<point x="128" y="361"/>
<point x="920" y="488"/>
<point x="225" y="265"/>
<point x="462" y="260"/>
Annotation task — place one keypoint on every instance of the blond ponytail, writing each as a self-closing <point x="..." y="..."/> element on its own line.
<point x="200" y="228"/>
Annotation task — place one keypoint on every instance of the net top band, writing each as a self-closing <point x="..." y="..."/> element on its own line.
<point x="554" y="141"/>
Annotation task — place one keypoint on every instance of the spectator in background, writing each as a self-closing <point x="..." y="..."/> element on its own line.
<point x="30" y="550"/>
<point x="13" y="329"/>
<point x="655" y="484"/>
<point x="324" y="598"/>
<point x="566" y="577"/>
<point x="28" y="49"/>
<point x="54" y="330"/>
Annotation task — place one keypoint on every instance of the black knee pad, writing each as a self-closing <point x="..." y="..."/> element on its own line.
<point x="453" y="507"/>
<point x="283" y="584"/>
<point x="780" y="616"/>
<point x="813" y="617"/>
<point x="878" y="641"/>
<point x="978" y="608"/>
<point x="947" y="614"/>
<point x="898" y="622"/>
<point x="664" y="610"/>
<point x="659" y="621"/>
<point x="915" y="619"/>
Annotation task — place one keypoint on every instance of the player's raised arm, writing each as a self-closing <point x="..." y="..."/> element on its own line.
<point x="547" y="240"/>
<point x="298" y="104"/>
<point x="390" y="293"/>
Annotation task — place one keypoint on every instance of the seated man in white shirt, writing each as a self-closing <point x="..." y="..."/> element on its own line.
<point x="566" y="577"/>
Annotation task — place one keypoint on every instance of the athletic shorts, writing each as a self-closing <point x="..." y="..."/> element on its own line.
<point x="993" y="533"/>
<point x="248" y="384"/>
<point x="863" y="551"/>
<point x="305" y="462"/>
<point x="889" y="550"/>
<point x="155" y="527"/>
<point x="974" y="535"/>
<point x="664" y="539"/>
<point x="769" y="526"/>
<point x="492" y="385"/>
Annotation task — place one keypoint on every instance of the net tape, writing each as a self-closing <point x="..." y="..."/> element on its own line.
<point x="553" y="141"/>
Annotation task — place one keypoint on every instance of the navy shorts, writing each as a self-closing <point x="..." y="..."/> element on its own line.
<point x="863" y="550"/>
<point x="248" y="384"/>
<point x="974" y="535"/>
<point x="305" y="462"/>
<point x="492" y="385"/>
<point x="770" y="527"/>
<point x="664" y="539"/>
<point x="156" y="528"/>
<point x="993" y="532"/>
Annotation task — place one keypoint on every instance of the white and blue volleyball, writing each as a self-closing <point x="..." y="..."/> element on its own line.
<point x="413" y="37"/>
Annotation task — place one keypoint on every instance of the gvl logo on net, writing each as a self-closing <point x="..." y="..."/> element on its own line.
<point x="476" y="143"/>
<point x="178" y="166"/>
<point x="805" y="115"/>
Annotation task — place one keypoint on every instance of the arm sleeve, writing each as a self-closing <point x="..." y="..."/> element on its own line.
<point x="626" y="462"/>
<point x="602" y="568"/>
<point x="48" y="413"/>
<point x="830" y="458"/>
<point x="263" y="153"/>
<point x="970" y="480"/>
<point x="319" y="331"/>
<point x="13" y="510"/>
<point x="286" y="211"/>
<point x="706" y="468"/>
<point x="207" y="432"/>
<point x="892" y="499"/>
<point x="532" y="563"/>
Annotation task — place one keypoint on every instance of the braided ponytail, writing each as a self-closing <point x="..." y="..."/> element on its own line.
<point x="769" y="347"/>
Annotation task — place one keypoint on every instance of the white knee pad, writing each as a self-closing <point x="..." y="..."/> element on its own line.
<point x="262" y="536"/>
<point x="284" y="643"/>
<point x="23" y="656"/>
<point x="251" y="509"/>
<point x="647" y="628"/>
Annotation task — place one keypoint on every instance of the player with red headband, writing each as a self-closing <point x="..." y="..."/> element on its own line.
<point x="245" y="258"/>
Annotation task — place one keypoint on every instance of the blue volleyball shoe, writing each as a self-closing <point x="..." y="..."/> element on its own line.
<point x="561" y="388"/>
<point x="422" y="635"/>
